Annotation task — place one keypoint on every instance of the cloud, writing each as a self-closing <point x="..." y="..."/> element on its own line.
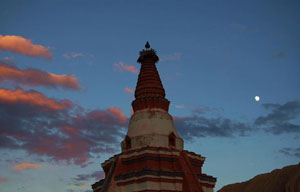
<point x="95" y="176"/>
<point x="121" y="67"/>
<point x="291" y="152"/>
<point x="128" y="90"/>
<point x="33" y="98"/>
<point x="280" y="55"/>
<point x="239" y="27"/>
<point x="73" y="55"/>
<point x="18" y="44"/>
<point x="171" y="57"/>
<point x="86" y="178"/>
<point x="8" y="59"/>
<point x="201" y="126"/>
<point x="281" y="118"/>
<point x="2" y="180"/>
<point x="24" y="166"/>
<point x="70" y="135"/>
<point x="242" y="27"/>
<point x="118" y="114"/>
<point x="178" y="106"/>
<point x="83" y="186"/>
<point x="35" y="77"/>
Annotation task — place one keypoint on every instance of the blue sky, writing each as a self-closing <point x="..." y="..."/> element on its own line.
<point x="216" y="56"/>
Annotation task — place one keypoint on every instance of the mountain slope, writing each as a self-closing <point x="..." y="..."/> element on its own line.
<point x="286" y="179"/>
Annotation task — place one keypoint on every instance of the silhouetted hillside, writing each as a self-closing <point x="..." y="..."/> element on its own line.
<point x="286" y="179"/>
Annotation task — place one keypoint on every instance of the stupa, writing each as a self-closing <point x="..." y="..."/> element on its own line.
<point x="153" y="158"/>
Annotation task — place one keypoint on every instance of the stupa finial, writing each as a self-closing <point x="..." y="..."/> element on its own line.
<point x="147" y="46"/>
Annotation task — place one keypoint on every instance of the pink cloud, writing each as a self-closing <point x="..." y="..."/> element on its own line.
<point x="70" y="136"/>
<point x="32" y="98"/>
<point x="2" y="180"/>
<point x="77" y="55"/>
<point x="66" y="56"/>
<point x="34" y="77"/>
<point x="84" y="186"/>
<point x="118" y="113"/>
<point x="128" y="90"/>
<point x="71" y="130"/>
<point x="121" y="67"/>
<point x="24" y="46"/>
<point x="24" y="166"/>
<point x="113" y="115"/>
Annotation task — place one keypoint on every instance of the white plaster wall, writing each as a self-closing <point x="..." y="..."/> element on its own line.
<point x="148" y="122"/>
<point x="151" y="128"/>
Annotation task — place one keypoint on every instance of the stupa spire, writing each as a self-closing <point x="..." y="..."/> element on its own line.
<point x="149" y="92"/>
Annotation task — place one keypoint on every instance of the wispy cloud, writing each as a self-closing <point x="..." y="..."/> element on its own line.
<point x="72" y="55"/>
<point x="291" y="152"/>
<point x="201" y="126"/>
<point x="2" y="180"/>
<point x="240" y="27"/>
<point x="243" y="27"/>
<point x="281" y="118"/>
<point x="178" y="106"/>
<point x="128" y="90"/>
<point x="83" y="186"/>
<point x="35" y="77"/>
<point x="24" y="166"/>
<point x="121" y="67"/>
<point x="278" y="55"/>
<point x="171" y="57"/>
<point x="95" y="176"/>
<point x="21" y="45"/>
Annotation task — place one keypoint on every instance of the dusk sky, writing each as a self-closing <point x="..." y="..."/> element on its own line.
<point x="68" y="72"/>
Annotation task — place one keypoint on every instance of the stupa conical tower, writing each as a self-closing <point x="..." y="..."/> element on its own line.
<point x="152" y="157"/>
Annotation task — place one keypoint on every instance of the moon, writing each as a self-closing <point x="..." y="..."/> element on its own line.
<point x="256" y="98"/>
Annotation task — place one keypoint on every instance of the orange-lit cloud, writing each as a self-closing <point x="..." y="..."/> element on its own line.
<point x="24" y="46"/>
<point x="84" y="186"/>
<point x="34" y="77"/>
<point x="118" y="113"/>
<point x="128" y="90"/>
<point x="32" y="98"/>
<point x="121" y="67"/>
<point x="2" y="180"/>
<point x="24" y="166"/>
<point x="112" y="115"/>
<point x="71" y="130"/>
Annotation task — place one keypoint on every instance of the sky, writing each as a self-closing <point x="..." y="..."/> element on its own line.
<point x="68" y="72"/>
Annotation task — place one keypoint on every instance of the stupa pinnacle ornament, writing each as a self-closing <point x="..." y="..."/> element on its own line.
<point x="152" y="157"/>
<point x="147" y="45"/>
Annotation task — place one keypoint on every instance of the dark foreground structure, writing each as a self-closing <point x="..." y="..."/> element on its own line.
<point x="153" y="158"/>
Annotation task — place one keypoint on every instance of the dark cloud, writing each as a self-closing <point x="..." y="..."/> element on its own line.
<point x="281" y="119"/>
<point x="291" y="152"/>
<point x="201" y="126"/>
<point x="72" y="135"/>
<point x="95" y="176"/>
<point x="280" y="55"/>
